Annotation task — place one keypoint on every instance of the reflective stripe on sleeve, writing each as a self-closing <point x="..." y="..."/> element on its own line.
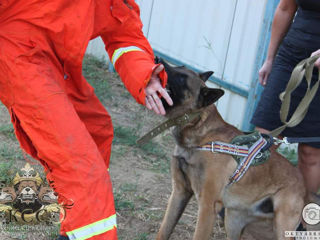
<point x="120" y="51"/>
<point x="93" y="229"/>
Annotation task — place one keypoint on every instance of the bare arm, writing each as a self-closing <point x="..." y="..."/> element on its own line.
<point x="281" y="23"/>
<point x="282" y="20"/>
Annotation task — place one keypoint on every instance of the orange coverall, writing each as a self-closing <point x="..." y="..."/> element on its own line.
<point x="56" y="115"/>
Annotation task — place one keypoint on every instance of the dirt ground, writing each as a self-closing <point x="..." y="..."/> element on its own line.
<point x="140" y="175"/>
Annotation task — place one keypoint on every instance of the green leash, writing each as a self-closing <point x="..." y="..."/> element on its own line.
<point x="303" y="69"/>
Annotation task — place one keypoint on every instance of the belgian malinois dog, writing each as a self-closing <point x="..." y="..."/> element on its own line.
<point x="274" y="190"/>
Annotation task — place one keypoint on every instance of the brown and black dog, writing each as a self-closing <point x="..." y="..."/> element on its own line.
<point x="273" y="190"/>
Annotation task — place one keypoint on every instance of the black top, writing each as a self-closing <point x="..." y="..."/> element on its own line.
<point x="310" y="5"/>
<point x="307" y="19"/>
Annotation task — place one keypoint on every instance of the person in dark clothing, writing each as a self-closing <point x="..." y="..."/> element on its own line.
<point x="295" y="36"/>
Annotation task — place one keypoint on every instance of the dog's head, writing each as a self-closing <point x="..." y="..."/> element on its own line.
<point x="188" y="90"/>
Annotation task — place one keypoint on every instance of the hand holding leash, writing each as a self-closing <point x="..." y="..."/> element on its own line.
<point x="317" y="63"/>
<point x="154" y="90"/>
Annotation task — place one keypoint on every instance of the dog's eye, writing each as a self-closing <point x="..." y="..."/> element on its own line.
<point x="182" y="79"/>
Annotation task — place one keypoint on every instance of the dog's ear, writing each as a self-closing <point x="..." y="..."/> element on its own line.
<point x="205" y="75"/>
<point x="167" y="67"/>
<point x="157" y="60"/>
<point x="208" y="96"/>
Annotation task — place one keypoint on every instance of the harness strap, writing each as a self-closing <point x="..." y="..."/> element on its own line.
<point x="227" y="148"/>
<point x="246" y="161"/>
<point x="245" y="155"/>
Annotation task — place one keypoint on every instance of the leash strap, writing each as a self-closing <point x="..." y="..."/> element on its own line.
<point x="303" y="69"/>
<point x="302" y="139"/>
<point x="289" y="140"/>
<point x="180" y="120"/>
<point x="246" y="161"/>
<point x="227" y="148"/>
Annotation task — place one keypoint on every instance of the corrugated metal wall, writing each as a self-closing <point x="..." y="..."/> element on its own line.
<point x="217" y="35"/>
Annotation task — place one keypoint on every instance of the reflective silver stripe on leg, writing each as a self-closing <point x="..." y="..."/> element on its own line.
<point x="93" y="229"/>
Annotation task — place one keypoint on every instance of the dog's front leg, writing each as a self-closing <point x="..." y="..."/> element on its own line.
<point x="206" y="219"/>
<point x="180" y="196"/>
<point x="177" y="203"/>
<point x="288" y="206"/>
<point x="235" y="221"/>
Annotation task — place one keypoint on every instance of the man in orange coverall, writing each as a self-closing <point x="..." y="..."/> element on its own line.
<point x="57" y="117"/>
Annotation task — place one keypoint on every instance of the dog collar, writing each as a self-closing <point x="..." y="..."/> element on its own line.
<point x="177" y="121"/>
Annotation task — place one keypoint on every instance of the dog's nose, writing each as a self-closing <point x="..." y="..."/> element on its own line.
<point x="28" y="189"/>
<point x="157" y="60"/>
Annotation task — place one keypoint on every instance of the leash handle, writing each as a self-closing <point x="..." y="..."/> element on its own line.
<point x="303" y="69"/>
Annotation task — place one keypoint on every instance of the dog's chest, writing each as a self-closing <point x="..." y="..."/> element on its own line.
<point x="185" y="155"/>
<point x="191" y="167"/>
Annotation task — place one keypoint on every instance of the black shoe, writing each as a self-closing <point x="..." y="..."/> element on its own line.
<point x="62" y="237"/>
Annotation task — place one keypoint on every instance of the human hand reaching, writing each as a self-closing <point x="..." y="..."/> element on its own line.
<point x="153" y="90"/>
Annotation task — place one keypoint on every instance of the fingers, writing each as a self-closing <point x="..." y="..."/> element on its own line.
<point x="315" y="53"/>
<point x="264" y="81"/>
<point x="166" y="96"/>
<point x="317" y="63"/>
<point x="159" y="109"/>
<point x="154" y="91"/>
<point x="265" y="72"/>
<point x="263" y="76"/>
<point x="152" y="103"/>
<point x="157" y="70"/>
<point x="148" y="105"/>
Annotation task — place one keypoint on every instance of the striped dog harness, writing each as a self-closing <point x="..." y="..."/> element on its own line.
<point x="246" y="150"/>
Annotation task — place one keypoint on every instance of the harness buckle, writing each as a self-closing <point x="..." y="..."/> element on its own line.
<point x="278" y="141"/>
<point x="285" y="140"/>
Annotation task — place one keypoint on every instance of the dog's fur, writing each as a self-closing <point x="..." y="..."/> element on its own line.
<point x="273" y="190"/>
